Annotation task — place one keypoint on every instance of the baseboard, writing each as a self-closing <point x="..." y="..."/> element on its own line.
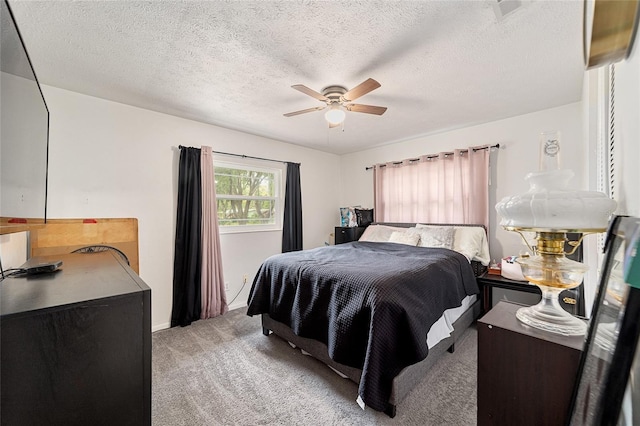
<point x="237" y="305"/>
<point x="166" y="325"/>
<point x="159" y="327"/>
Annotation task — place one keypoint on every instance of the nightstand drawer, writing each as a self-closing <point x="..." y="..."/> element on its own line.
<point x="345" y="234"/>
<point x="571" y="300"/>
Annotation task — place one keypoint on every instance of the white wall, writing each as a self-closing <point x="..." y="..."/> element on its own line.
<point x="112" y="160"/>
<point x="13" y="249"/>
<point x="517" y="156"/>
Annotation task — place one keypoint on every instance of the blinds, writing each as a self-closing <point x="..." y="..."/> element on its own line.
<point x="606" y="159"/>
<point x="612" y="134"/>
<point x="606" y="146"/>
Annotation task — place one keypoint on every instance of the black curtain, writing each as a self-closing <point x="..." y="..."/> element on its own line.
<point x="188" y="253"/>
<point x="292" y="227"/>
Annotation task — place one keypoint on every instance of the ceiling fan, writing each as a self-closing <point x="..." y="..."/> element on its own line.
<point x="338" y="99"/>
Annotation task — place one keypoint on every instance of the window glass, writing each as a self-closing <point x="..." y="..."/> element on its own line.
<point x="248" y="197"/>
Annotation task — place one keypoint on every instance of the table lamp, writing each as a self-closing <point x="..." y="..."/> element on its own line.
<point x="551" y="210"/>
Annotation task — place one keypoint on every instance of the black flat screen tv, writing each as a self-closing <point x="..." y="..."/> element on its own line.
<point x="24" y="134"/>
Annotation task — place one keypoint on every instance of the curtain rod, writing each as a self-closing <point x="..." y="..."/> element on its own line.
<point x="246" y="156"/>
<point x="437" y="155"/>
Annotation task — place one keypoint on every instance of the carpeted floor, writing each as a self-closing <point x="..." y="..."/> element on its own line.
<point x="224" y="371"/>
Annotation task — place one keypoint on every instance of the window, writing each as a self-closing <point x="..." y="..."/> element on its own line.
<point x="248" y="197"/>
<point x="603" y="153"/>
<point x="606" y="172"/>
<point x="606" y="143"/>
<point x="444" y="188"/>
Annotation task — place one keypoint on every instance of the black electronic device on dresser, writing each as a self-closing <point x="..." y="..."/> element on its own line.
<point x="76" y="344"/>
<point x="346" y="234"/>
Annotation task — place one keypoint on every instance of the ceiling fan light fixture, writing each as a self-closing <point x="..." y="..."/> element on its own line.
<point x="335" y="115"/>
<point x="338" y="99"/>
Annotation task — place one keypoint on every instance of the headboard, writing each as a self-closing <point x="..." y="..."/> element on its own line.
<point x="478" y="268"/>
<point x="411" y="225"/>
<point x="61" y="236"/>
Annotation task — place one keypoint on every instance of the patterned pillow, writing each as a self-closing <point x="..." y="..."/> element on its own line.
<point x="348" y="216"/>
<point x="470" y="241"/>
<point x="403" y="237"/>
<point x="435" y="237"/>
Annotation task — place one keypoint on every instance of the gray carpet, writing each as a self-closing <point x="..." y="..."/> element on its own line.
<point x="224" y="371"/>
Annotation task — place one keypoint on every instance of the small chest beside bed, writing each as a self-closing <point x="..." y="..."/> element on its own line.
<point x="379" y="310"/>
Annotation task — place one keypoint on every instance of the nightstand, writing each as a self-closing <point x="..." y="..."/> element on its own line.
<point x="525" y="376"/>
<point x="488" y="282"/>
<point x="346" y="234"/>
<point x="571" y="300"/>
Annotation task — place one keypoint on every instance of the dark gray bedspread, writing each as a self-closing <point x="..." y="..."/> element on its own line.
<point x="372" y="304"/>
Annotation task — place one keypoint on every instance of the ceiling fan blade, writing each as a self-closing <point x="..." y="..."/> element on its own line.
<point x="331" y="126"/>
<point x="361" y="89"/>
<point x="304" y="89"/>
<point x="369" y="109"/>
<point x="291" y="114"/>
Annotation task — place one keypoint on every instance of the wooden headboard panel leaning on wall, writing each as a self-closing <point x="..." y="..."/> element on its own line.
<point x="60" y="236"/>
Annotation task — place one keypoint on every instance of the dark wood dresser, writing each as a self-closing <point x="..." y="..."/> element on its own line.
<point x="76" y="345"/>
<point x="525" y="376"/>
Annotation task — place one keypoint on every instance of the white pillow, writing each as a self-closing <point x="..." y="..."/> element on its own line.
<point x="379" y="233"/>
<point x="470" y="241"/>
<point x="410" y="239"/>
<point x="435" y="236"/>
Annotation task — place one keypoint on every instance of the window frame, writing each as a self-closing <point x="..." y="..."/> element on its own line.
<point x="602" y="157"/>
<point x="254" y="165"/>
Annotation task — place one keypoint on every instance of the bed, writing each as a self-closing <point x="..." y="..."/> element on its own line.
<point x="374" y="309"/>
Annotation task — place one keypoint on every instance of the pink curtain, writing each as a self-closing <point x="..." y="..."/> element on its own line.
<point x="447" y="188"/>
<point x="214" y="299"/>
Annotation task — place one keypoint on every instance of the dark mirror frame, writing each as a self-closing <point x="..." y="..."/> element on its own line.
<point x="609" y="364"/>
<point x="25" y="134"/>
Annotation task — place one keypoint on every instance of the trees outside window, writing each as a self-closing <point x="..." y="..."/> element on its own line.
<point x="248" y="197"/>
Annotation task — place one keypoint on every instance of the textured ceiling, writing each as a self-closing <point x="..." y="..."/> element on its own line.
<point x="441" y="64"/>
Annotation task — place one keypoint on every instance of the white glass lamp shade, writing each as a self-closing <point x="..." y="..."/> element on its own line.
<point x="549" y="205"/>
<point x="335" y="115"/>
